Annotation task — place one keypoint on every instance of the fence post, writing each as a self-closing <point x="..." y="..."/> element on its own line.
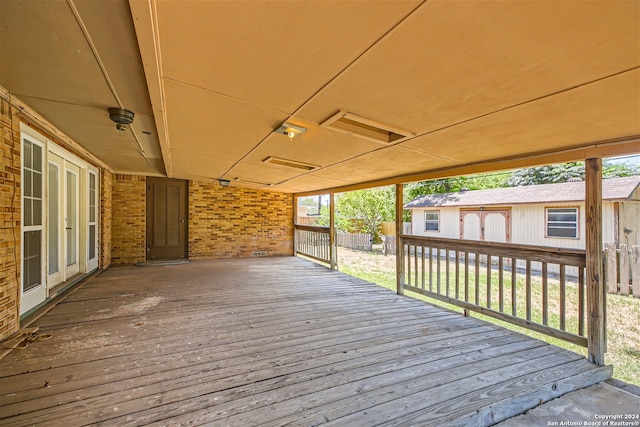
<point x="399" y="243"/>
<point x="596" y="316"/>
<point x="624" y="269"/>
<point x="611" y="268"/>
<point x="635" y="270"/>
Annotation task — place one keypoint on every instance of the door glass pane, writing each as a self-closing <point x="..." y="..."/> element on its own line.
<point x="92" y="241"/>
<point x="71" y="218"/>
<point x="27" y="212"/>
<point x="32" y="260"/>
<point x="26" y="153"/>
<point x="54" y="219"/>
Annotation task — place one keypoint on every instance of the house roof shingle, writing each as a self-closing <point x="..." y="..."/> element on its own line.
<point x="612" y="189"/>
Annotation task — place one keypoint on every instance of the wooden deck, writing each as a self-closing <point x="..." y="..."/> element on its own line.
<point x="272" y="341"/>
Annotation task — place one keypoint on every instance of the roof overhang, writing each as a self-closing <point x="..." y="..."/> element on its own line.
<point x="387" y="91"/>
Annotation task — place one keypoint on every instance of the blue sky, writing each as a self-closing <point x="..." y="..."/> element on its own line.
<point x="633" y="160"/>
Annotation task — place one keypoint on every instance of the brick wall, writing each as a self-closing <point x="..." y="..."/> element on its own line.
<point x="228" y="222"/>
<point x="9" y="220"/>
<point x="106" y="179"/>
<point x="128" y="219"/>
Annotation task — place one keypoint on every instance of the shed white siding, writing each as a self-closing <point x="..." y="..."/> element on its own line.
<point x="528" y="223"/>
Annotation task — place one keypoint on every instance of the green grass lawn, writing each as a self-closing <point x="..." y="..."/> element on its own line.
<point x="623" y="313"/>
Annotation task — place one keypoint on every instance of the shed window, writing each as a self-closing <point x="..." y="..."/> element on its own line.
<point x="562" y="222"/>
<point x="432" y="220"/>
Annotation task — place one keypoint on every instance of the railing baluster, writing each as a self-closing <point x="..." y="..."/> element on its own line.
<point x="466" y="276"/>
<point x="430" y="268"/>
<point x="438" y="268"/>
<point x="514" y="277"/>
<point x="528" y="289"/>
<point x="488" y="281"/>
<point x="458" y="274"/>
<point x="447" y="267"/>
<point x="501" y="283"/>
<point x="415" y="263"/>
<point x="581" y="317"/>
<point x="545" y="295"/>
<point x="562" y="296"/>
<point x="409" y="265"/>
<point x="477" y="278"/>
<point x="423" y="266"/>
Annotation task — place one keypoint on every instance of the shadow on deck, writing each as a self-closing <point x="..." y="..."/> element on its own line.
<point x="272" y="341"/>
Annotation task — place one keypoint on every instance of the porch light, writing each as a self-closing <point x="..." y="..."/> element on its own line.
<point x="291" y="131"/>
<point x="224" y="182"/>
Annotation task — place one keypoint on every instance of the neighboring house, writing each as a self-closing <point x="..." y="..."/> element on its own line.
<point x="545" y="215"/>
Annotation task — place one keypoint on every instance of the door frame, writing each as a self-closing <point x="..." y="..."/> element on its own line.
<point x="184" y="215"/>
<point x="482" y="213"/>
<point x="35" y="296"/>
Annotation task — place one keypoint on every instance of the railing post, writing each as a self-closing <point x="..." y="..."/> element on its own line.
<point x="399" y="242"/>
<point x="333" y="256"/>
<point x="596" y="344"/>
<point x="295" y="221"/>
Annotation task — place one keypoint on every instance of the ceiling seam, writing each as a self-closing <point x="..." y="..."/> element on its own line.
<point x="341" y="72"/>
<point x="105" y="74"/>
<point x="317" y="172"/>
<point x="232" y="98"/>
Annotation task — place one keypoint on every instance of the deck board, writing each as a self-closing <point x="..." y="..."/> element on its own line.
<point x="272" y="341"/>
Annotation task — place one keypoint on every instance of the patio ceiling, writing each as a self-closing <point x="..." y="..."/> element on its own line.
<point x="470" y="83"/>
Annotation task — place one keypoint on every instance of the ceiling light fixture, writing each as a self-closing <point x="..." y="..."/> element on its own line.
<point x="121" y="117"/>
<point x="291" y="131"/>
<point x="224" y="182"/>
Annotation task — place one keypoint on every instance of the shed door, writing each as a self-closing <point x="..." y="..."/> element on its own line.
<point x="486" y="225"/>
<point x="166" y="218"/>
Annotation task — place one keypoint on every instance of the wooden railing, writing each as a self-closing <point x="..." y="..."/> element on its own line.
<point x="514" y="283"/>
<point x="314" y="242"/>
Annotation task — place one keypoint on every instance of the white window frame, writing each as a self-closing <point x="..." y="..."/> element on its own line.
<point x="92" y="263"/>
<point x="576" y="223"/>
<point x="31" y="298"/>
<point x="437" y="221"/>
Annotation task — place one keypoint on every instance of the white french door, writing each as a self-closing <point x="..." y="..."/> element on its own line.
<point x="72" y="220"/>
<point x="55" y="223"/>
<point x="60" y="200"/>
<point x="63" y="225"/>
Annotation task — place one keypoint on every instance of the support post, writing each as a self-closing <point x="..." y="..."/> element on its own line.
<point x="333" y="249"/>
<point x="596" y="315"/>
<point x="295" y="221"/>
<point x="399" y="243"/>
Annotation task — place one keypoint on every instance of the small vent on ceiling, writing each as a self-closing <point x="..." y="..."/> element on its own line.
<point x="290" y="163"/>
<point x="362" y="127"/>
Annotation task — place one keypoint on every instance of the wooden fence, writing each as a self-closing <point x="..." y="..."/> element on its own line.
<point x="622" y="269"/>
<point x="358" y="241"/>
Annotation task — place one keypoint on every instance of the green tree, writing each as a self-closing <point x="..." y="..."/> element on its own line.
<point x="365" y="210"/>
<point x="564" y="172"/>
